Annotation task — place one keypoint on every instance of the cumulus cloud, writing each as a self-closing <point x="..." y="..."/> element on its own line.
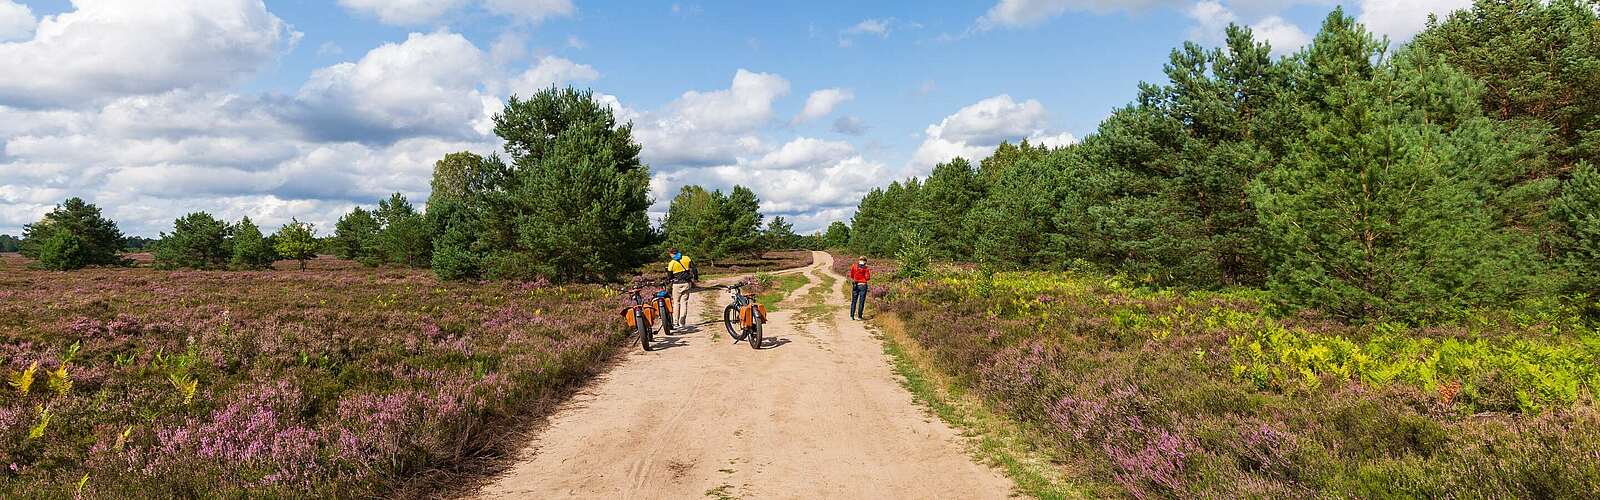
<point x="744" y="104"/>
<point x="111" y="48"/>
<point x="1212" y="19"/>
<point x="552" y="71"/>
<point x="414" y="12"/>
<point x="975" y="130"/>
<point x="822" y="103"/>
<point x="1400" y="19"/>
<point x="16" y="21"/>
<point x="428" y="84"/>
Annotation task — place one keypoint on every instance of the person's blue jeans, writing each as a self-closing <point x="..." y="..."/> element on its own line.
<point x="858" y="300"/>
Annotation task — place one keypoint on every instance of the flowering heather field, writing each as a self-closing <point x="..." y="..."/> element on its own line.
<point x="1209" y="395"/>
<point x="137" y="383"/>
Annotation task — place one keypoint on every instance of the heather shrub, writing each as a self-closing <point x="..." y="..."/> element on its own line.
<point x="1219" y="394"/>
<point x="355" y="383"/>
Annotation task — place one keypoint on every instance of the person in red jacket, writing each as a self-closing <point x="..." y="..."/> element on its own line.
<point x="859" y="275"/>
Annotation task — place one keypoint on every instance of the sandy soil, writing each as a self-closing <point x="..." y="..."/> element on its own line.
<point x="815" y="413"/>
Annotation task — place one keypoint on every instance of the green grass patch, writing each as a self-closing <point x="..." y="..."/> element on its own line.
<point x="778" y="287"/>
<point x="817" y="306"/>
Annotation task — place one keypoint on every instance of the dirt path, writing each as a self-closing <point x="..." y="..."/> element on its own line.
<point x="817" y="413"/>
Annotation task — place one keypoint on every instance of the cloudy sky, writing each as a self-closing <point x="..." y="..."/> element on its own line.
<point x="305" y="108"/>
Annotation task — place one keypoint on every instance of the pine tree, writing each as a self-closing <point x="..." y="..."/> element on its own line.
<point x="1579" y="208"/>
<point x="838" y="235"/>
<point x="574" y="202"/>
<point x="198" y="241"/>
<point x="250" y="250"/>
<point x="780" y="235"/>
<point x="1537" y="60"/>
<point x="96" y="239"/>
<point x="741" y="218"/>
<point x="355" y="236"/>
<point x="1380" y="211"/>
<point x="950" y="193"/>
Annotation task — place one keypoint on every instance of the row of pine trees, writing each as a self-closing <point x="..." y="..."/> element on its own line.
<point x="1373" y="182"/>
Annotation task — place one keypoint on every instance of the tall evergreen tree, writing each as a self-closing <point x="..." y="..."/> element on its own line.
<point x="1538" y="62"/>
<point x="695" y="223"/>
<point x="741" y="218"/>
<point x="96" y="239"/>
<point x="355" y="236"/>
<point x="250" y="250"/>
<point x="198" y="241"/>
<point x="576" y="197"/>
<point x="1380" y="210"/>
<point x="780" y="235"/>
<point x="950" y="193"/>
<point x="837" y="236"/>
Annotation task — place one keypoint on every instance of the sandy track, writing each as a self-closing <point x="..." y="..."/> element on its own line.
<point x="816" y="414"/>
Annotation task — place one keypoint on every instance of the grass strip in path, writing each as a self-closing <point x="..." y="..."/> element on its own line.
<point x="996" y="439"/>
<point x="781" y="286"/>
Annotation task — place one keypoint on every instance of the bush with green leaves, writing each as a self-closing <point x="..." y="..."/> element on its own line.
<point x="296" y="241"/>
<point x="63" y="251"/>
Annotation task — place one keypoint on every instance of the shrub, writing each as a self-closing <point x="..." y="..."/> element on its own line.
<point x="63" y="251"/>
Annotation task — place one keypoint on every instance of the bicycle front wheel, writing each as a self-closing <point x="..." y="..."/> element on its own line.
<point x="755" y="334"/>
<point x="730" y="320"/>
<point x="644" y="332"/>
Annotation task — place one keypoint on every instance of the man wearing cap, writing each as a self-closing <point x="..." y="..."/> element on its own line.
<point x="859" y="275"/>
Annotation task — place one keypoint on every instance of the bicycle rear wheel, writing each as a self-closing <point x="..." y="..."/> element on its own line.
<point x="730" y="320"/>
<point x="755" y="334"/>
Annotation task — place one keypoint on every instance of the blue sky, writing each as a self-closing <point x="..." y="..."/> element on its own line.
<point x="301" y="108"/>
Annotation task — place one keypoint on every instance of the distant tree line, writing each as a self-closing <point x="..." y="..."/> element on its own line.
<point x="1455" y="172"/>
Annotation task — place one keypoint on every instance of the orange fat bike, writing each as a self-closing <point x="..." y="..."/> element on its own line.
<point x="642" y="314"/>
<point x="744" y="317"/>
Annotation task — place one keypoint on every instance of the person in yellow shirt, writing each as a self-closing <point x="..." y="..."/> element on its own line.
<point x="682" y="274"/>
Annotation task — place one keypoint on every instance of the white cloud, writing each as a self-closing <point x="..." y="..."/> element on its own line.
<point x="804" y="151"/>
<point x="428" y="84"/>
<point x="16" y="21"/>
<point x="552" y="71"/>
<point x="1212" y="19"/>
<point x="111" y="48"/>
<point x="530" y="10"/>
<point x="822" y="103"/>
<point x="416" y="12"/>
<point x="1284" y="37"/>
<point x="403" y="12"/>
<point x="1400" y="19"/>
<point x="974" y="131"/>
<point x="1021" y="13"/>
<point x="746" y="103"/>
<point x="878" y="27"/>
